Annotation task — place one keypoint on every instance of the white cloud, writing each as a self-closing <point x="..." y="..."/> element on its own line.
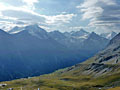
<point x="58" y="22"/>
<point x="78" y="28"/>
<point x="102" y="13"/>
<point x="62" y="18"/>
<point x="24" y="13"/>
<point x="12" y="15"/>
<point x="19" y="14"/>
<point x="24" y="16"/>
<point x="30" y="2"/>
<point x="21" y="3"/>
<point x="91" y="12"/>
<point x="16" y="3"/>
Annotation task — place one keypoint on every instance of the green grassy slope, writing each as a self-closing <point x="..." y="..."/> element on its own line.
<point x="67" y="79"/>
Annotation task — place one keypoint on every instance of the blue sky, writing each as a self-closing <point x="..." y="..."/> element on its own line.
<point x="64" y="15"/>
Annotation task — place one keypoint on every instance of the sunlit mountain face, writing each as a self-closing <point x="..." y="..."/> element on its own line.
<point x="81" y="37"/>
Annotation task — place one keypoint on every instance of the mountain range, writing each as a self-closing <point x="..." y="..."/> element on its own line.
<point x="100" y="72"/>
<point x="106" y="62"/>
<point x="31" y="51"/>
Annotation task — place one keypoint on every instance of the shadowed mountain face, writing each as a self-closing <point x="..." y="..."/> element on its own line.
<point x="33" y="51"/>
<point x="82" y="41"/>
<point x="94" y="43"/>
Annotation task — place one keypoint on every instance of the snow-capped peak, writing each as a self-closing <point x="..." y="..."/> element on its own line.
<point x="35" y="30"/>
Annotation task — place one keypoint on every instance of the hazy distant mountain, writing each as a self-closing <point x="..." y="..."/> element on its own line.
<point x="80" y="33"/>
<point x="16" y="29"/>
<point x="57" y="35"/>
<point x="33" y="51"/>
<point x="82" y="41"/>
<point x="77" y="34"/>
<point x="94" y="43"/>
<point x="70" y="39"/>
<point x="109" y="35"/>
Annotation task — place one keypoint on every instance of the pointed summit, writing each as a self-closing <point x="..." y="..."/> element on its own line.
<point x="93" y="35"/>
<point x="36" y="31"/>
<point x="94" y="41"/>
<point x="57" y="35"/>
<point x="81" y="32"/>
<point x="34" y="28"/>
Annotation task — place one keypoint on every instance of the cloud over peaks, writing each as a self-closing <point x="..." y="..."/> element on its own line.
<point x="102" y="13"/>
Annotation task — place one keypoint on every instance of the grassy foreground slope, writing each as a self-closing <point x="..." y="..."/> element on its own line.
<point x="67" y="79"/>
<point x="117" y="88"/>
